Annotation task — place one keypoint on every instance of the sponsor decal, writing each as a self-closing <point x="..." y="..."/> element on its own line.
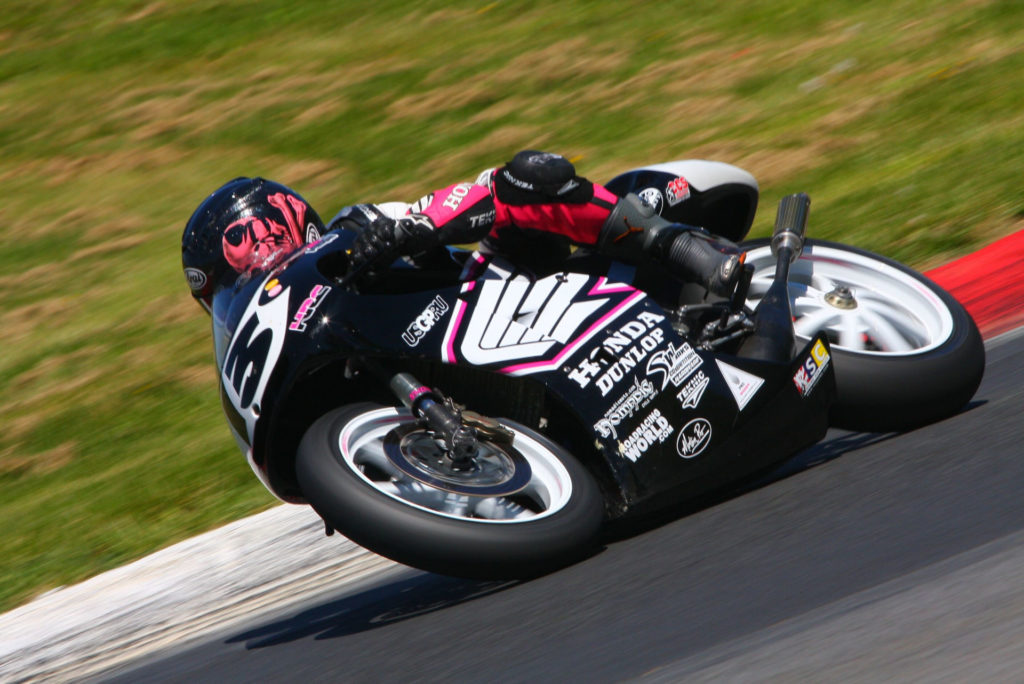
<point x="517" y="319"/>
<point x="321" y="243"/>
<point x="456" y="195"/>
<point x="273" y="287"/>
<point x="312" y="233"/>
<point x="694" y="438"/>
<point x="693" y="391"/>
<point x="483" y="219"/>
<point x="620" y="352"/>
<point x="677" y="190"/>
<point x="196" y="278"/>
<point x="308" y="307"/>
<point x="423" y="324"/>
<point x="654" y="429"/>
<point x="674" y="363"/>
<point x="569" y="186"/>
<point x="636" y="397"/>
<point x="742" y="384"/>
<point x="521" y="184"/>
<point x="652" y="197"/>
<point x="812" y="369"/>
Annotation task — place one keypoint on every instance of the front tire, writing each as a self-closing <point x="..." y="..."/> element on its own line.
<point x="349" y="480"/>
<point x="906" y="352"/>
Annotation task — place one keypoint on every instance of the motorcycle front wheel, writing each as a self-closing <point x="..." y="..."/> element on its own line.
<point x="906" y="352"/>
<point x="404" y="505"/>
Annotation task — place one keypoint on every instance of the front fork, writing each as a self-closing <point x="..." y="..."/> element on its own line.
<point x="461" y="430"/>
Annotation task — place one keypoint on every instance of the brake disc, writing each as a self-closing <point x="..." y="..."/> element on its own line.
<point x="497" y="469"/>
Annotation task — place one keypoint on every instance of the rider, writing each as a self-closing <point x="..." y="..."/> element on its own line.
<point x="530" y="210"/>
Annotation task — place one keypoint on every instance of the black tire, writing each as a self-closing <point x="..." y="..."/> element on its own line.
<point x="433" y="541"/>
<point x="892" y="392"/>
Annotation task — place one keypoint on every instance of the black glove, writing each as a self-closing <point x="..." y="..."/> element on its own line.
<point x="384" y="239"/>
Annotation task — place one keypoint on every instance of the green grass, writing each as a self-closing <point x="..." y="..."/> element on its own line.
<point x="902" y="120"/>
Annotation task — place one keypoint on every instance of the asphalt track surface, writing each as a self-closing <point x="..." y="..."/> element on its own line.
<point x="866" y="558"/>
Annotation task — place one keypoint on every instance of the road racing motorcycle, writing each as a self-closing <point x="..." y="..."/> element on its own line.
<point x="490" y="425"/>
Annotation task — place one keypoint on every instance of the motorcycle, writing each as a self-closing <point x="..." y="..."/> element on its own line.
<point x="472" y="418"/>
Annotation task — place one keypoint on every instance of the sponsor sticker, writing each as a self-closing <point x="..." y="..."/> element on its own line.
<point x="674" y="363"/>
<point x="521" y="184"/>
<point x="812" y="369"/>
<point x="620" y="352"/>
<point x="308" y="307"/>
<point x="515" y="319"/>
<point x="693" y="391"/>
<point x="636" y="397"/>
<point x="677" y="190"/>
<point x="484" y="219"/>
<point x="196" y="278"/>
<point x="652" y="198"/>
<point x="423" y="323"/>
<point x="694" y="438"/>
<point x="654" y="429"/>
<point x="273" y="287"/>
<point x="742" y="384"/>
<point x="456" y="195"/>
<point x="320" y="243"/>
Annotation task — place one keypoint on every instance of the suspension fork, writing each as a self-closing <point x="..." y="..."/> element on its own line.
<point x="439" y="413"/>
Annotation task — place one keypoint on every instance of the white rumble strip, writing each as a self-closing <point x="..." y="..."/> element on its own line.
<point x="203" y="583"/>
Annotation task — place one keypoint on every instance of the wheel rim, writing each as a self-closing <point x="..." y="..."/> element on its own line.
<point x="547" y="491"/>
<point x="864" y="306"/>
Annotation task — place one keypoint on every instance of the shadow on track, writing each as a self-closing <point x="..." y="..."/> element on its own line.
<point x="837" y="443"/>
<point x="383" y="605"/>
<point x="423" y="593"/>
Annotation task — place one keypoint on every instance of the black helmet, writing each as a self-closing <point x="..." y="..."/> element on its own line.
<point x="245" y="226"/>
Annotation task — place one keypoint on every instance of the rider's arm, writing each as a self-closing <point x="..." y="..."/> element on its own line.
<point x="535" y="191"/>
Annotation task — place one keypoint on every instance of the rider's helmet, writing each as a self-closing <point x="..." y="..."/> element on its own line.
<point x="246" y="226"/>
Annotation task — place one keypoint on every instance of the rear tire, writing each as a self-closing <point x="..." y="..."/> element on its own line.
<point x="342" y="469"/>
<point x="906" y="352"/>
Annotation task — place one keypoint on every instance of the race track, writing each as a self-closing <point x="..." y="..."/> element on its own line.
<point x="867" y="558"/>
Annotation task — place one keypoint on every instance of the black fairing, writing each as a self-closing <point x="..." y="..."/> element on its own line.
<point x="596" y="364"/>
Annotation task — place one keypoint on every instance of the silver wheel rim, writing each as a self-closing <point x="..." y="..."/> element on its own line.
<point x="547" y="492"/>
<point x="865" y="306"/>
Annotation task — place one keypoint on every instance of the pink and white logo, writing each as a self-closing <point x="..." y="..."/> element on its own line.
<point x="308" y="307"/>
<point x="514" y="321"/>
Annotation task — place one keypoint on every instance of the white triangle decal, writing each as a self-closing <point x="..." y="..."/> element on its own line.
<point x="742" y="384"/>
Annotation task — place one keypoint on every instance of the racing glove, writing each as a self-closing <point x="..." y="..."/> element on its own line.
<point x="384" y="239"/>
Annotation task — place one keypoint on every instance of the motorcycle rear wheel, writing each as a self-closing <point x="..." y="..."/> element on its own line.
<point x="348" y="478"/>
<point x="906" y="352"/>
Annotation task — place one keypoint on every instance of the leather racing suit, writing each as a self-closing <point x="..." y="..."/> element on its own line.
<point x="530" y="211"/>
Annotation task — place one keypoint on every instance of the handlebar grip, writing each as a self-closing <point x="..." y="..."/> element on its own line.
<point x="790" y="223"/>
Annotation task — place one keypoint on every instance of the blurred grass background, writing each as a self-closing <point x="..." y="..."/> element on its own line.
<point x="903" y="121"/>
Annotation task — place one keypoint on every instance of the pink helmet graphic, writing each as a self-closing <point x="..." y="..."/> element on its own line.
<point x="246" y="225"/>
<point x="254" y="242"/>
